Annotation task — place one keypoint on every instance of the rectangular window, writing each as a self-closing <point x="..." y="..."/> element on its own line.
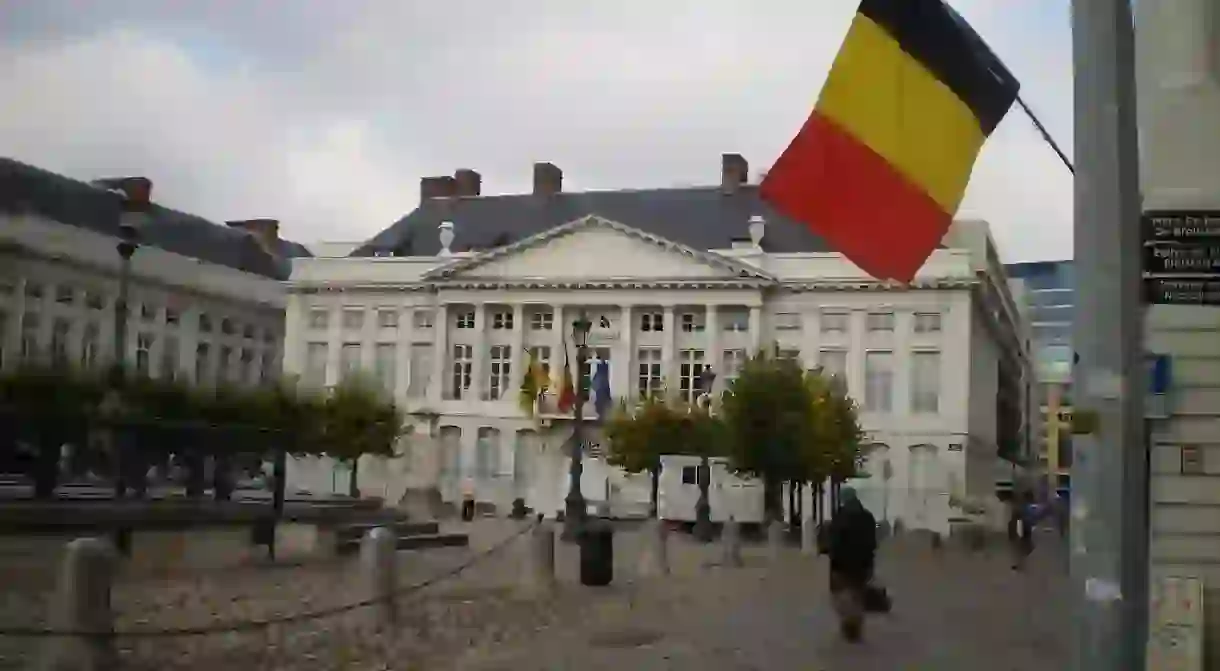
<point x="94" y="300"/>
<point x="224" y="365"/>
<point x="267" y="365"/>
<point x="879" y="381"/>
<point x="387" y="318"/>
<point x="319" y="318"/>
<point x="349" y="360"/>
<point x="652" y="322"/>
<point x="421" y="370"/>
<point x="690" y="369"/>
<point x="33" y="290"/>
<point x="315" y="364"/>
<point x="205" y="323"/>
<point x="465" y="320"/>
<point x="692" y="322"/>
<point x="543" y="320"/>
<point x="247" y="332"/>
<point x="927" y="322"/>
<point x="833" y="363"/>
<point x="879" y="322"/>
<point x="148" y="312"/>
<point x="422" y="319"/>
<point x="245" y="370"/>
<point x="30" y="325"/>
<point x="203" y="352"/>
<point x="463" y="367"/>
<point x="385" y="362"/>
<point x="787" y="321"/>
<point x="789" y="354"/>
<point x="736" y="321"/>
<point x="172" y="316"/>
<point x="542" y="354"/>
<point x="227" y="327"/>
<point x="61" y="330"/>
<point x="65" y="295"/>
<point x="690" y="475"/>
<point x="734" y="359"/>
<point x="353" y="319"/>
<point x="834" y="322"/>
<point x="144" y="344"/>
<point x="500" y="378"/>
<point x="649" y="379"/>
<point x="925" y="382"/>
<point x="502" y="320"/>
<point x="169" y="358"/>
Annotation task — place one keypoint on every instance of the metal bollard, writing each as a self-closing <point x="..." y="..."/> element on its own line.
<point x="541" y="563"/>
<point x="82" y="603"/>
<point x="730" y="541"/>
<point x="378" y="565"/>
<point x="775" y="539"/>
<point x="655" y="560"/>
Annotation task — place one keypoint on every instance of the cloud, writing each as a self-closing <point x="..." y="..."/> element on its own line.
<point x="327" y="117"/>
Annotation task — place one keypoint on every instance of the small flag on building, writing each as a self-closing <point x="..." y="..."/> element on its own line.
<point x="601" y="389"/>
<point x="882" y="164"/>
<point x="567" y="392"/>
<point x="533" y="383"/>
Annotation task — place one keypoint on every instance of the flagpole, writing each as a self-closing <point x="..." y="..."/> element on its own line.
<point x="1046" y="135"/>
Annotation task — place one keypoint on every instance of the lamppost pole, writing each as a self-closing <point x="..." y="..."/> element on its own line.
<point x="136" y="193"/>
<point x="703" y="507"/>
<point x="575" y="508"/>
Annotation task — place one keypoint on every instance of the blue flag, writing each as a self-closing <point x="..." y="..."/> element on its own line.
<point x="601" y="388"/>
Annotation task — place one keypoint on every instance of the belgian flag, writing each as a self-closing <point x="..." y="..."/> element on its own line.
<point x="881" y="165"/>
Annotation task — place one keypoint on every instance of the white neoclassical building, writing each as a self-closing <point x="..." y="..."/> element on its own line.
<point x="206" y="300"/>
<point x="445" y="307"/>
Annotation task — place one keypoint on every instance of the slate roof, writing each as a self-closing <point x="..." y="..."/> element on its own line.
<point x="700" y="217"/>
<point x="24" y="187"/>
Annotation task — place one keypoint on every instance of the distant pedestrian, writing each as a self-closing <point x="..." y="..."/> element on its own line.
<point x="1021" y="529"/>
<point x="852" y="545"/>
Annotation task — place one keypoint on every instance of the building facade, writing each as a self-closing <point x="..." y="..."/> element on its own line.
<point x="1049" y="288"/>
<point x="446" y="308"/>
<point x="206" y="300"/>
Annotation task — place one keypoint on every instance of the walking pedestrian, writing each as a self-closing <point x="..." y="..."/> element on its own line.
<point x="1021" y="529"/>
<point x="852" y="545"/>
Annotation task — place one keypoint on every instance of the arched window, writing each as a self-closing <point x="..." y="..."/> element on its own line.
<point x="451" y="451"/>
<point x="487" y="453"/>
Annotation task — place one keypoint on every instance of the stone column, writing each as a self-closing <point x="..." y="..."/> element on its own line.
<point x="295" y="337"/>
<point x="714" y="358"/>
<point x="368" y="339"/>
<point x="755" y="330"/>
<point x="334" y="339"/>
<point x="402" y="362"/>
<point x="517" y="354"/>
<point x="621" y="371"/>
<point x="669" y="354"/>
<point x="559" y="337"/>
<point x="478" y="368"/>
<point x="440" y="354"/>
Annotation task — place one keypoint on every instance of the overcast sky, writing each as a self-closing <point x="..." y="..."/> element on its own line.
<point x="325" y="113"/>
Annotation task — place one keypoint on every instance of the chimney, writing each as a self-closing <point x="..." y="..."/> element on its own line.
<point x="467" y="182"/>
<point x="548" y="179"/>
<point x="266" y="233"/>
<point x="437" y="187"/>
<point x="734" y="171"/>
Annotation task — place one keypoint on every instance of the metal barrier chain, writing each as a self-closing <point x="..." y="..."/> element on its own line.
<point x="252" y="625"/>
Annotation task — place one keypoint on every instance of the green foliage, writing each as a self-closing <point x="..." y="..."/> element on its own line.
<point x="769" y="419"/>
<point x="656" y="427"/>
<point x="836" y="448"/>
<point x="356" y="421"/>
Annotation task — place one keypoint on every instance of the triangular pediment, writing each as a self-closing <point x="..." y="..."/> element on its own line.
<point x="595" y="248"/>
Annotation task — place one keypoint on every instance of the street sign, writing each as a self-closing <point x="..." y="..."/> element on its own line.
<point x="1181" y="261"/>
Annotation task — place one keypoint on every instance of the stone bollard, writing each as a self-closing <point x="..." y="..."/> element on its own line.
<point x="540" y="565"/>
<point x="775" y="539"/>
<point x="730" y="541"/>
<point x="379" y="567"/>
<point x="809" y="538"/>
<point x="655" y="559"/>
<point x="82" y="604"/>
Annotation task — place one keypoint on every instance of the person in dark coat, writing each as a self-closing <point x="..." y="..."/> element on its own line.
<point x="1021" y="529"/>
<point x="852" y="546"/>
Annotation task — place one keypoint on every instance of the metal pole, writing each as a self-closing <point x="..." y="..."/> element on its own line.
<point x="575" y="508"/>
<point x="1109" y="544"/>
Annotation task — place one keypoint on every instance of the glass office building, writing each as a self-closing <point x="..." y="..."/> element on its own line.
<point x="1050" y="288"/>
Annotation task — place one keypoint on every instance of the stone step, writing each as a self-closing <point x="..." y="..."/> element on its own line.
<point x="415" y="542"/>
<point x="399" y="527"/>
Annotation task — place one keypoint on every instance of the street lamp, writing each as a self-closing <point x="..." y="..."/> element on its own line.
<point x="136" y="193"/>
<point x="703" y="507"/>
<point x="575" y="508"/>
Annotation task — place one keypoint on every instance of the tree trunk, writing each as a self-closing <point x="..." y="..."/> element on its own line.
<point x="793" y="520"/>
<point x="654" y="494"/>
<point x="773" y="499"/>
<point x="353" y="484"/>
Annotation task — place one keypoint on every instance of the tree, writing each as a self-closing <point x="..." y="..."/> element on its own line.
<point x="640" y="436"/>
<point x="769" y="424"/>
<point x="835" y="449"/>
<point x="358" y="421"/>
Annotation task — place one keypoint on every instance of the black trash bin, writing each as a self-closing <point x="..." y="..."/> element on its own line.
<point x="596" y="554"/>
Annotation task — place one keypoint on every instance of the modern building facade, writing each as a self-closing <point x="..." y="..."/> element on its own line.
<point x="206" y="300"/>
<point x="446" y="307"/>
<point x="1048" y="291"/>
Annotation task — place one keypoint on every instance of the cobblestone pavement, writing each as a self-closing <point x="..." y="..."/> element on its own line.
<point x="482" y="608"/>
<point x="953" y="612"/>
